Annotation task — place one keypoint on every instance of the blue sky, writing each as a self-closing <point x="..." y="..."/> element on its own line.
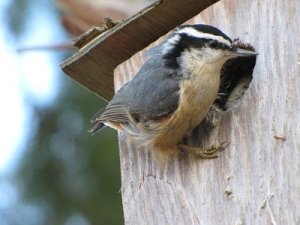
<point x="29" y="75"/>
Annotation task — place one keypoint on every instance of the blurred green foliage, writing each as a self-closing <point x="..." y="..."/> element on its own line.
<point x="65" y="172"/>
<point x="68" y="169"/>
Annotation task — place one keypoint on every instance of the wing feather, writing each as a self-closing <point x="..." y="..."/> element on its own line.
<point x="153" y="93"/>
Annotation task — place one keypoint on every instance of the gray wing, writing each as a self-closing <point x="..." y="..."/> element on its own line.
<point x="151" y="94"/>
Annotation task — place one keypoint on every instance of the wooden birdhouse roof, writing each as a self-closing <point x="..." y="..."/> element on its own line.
<point x="94" y="63"/>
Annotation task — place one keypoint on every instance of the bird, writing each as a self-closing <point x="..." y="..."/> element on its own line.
<point x="172" y="92"/>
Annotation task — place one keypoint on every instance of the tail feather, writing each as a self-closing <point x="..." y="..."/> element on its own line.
<point x="96" y="127"/>
<point x="95" y="117"/>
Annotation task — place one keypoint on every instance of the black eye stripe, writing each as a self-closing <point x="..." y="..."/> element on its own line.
<point x="186" y="42"/>
<point x="217" y="45"/>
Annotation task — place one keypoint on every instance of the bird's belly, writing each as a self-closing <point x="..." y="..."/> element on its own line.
<point x="195" y="102"/>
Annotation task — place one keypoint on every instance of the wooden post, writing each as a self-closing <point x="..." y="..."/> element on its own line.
<point x="256" y="180"/>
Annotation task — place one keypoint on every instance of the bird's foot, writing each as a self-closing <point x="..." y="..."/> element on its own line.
<point x="206" y="153"/>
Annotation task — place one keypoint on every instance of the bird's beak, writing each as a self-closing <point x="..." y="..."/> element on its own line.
<point x="239" y="52"/>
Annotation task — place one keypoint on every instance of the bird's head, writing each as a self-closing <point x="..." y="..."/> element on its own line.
<point x="200" y="42"/>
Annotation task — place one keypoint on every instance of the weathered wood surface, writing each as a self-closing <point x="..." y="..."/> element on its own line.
<point x="93" y="65"/>
<point x="256" y="179"/>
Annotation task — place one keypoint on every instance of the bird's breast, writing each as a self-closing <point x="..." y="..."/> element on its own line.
<point x="197" y="95"/>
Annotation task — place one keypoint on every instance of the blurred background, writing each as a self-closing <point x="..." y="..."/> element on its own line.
<point x="51" y="170"/>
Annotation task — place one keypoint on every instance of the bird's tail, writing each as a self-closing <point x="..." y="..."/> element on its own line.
<point x="96" y="127"/>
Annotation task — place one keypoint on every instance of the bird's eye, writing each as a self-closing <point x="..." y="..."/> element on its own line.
<point x="213" y="44"/>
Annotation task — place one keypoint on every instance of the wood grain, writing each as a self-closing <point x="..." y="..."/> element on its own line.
<point x="256" y="179"/>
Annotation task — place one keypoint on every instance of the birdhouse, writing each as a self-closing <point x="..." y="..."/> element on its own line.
<point x="254" y="180"/>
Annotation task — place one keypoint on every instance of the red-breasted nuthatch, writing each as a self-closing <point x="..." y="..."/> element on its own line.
<point x="173" y="91"/>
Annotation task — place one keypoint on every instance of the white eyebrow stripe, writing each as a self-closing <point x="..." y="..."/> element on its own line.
<point x="195" y="33"/>
<point x="170" y="43"/>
